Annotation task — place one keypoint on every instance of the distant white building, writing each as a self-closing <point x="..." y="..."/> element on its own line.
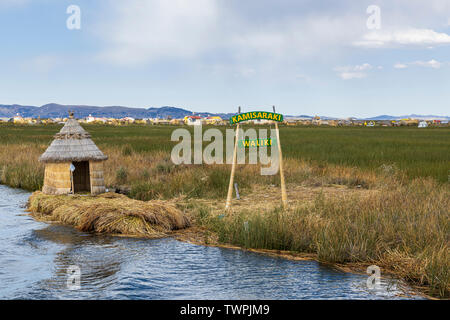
<point x="193" y="120"/>
<point x="90" y="118"/>
<point x="18" y="118"/>
<point x="423" y="124"/>
<point x="262" y="121"/>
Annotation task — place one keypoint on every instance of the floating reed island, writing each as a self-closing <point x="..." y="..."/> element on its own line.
<point x="74" y="193"/>
<point x="109" y="213"/>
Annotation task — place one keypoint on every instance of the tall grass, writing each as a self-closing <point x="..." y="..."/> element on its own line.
<point x="412" y="151"/>
<point x="191" y="182"/>
<point x="139" y="157"/>
<point x="18" y="169"/>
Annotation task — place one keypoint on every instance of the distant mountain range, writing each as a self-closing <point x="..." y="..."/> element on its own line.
<point x="54" y="110"/>
<point x="412" y="116"/>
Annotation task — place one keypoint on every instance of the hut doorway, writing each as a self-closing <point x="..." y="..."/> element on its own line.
<point x="81" y="177"/>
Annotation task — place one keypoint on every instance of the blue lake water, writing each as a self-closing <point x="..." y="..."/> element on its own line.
<point x="35" y="257"/>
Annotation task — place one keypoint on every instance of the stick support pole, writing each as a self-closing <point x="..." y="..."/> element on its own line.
<point x="233" y="169"/>
<point x="71" y="182"/>
<point x="283" y="183"/>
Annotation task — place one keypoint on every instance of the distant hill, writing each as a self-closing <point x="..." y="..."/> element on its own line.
<point x="12" y="110"/>
<point x="383" y="117"/>
<point x="412" y="116"/>
<point x="53" y="110"/>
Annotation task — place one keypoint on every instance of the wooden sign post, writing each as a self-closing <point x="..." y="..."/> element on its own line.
<point x="233" y="168"/>
<point x="280" y="158"/>
<point x="250" y="116"/>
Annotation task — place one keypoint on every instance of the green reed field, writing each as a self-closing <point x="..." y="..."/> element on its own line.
<point x="416" y="152"/>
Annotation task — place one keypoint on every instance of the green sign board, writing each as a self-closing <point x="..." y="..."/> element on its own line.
<point x="248" y="143"/>
<point x="255" y="115"/>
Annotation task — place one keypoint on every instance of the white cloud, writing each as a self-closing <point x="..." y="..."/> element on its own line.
<point x="352" y="75"/>
<point x="408" y="37"/>
<point x="235" y="33"/>
<point x="430" y="64"/>
<point x="400" y="66"/>
<point x="353" y="72"/>
<point x="362" y="67"/>
<point x="137" y="32"/>
<point x="144" y="30"/>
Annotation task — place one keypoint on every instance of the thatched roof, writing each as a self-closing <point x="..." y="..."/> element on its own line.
<point x="72" y="143"/>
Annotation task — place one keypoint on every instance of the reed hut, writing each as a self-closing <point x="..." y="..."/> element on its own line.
<point x="73" y="163"/>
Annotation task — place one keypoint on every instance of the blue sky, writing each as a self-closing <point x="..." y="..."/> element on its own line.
<point x="304" y="56"/>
